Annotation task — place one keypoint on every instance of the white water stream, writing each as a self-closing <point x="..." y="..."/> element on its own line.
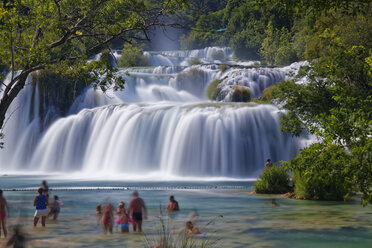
<point x="161" y="123"/>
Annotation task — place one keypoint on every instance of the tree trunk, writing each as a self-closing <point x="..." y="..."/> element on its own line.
<point x="8" y="98"/>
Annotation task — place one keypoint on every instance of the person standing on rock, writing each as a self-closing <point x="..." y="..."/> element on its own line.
<point x="136" y="206"/>
<point x="268" y="164"/>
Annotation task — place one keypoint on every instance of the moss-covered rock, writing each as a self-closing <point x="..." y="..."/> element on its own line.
<point x="57" y="90"/>
<point x="240" y="94"/>
<point x="213" y="90"/>
<point x="223" y="67"/>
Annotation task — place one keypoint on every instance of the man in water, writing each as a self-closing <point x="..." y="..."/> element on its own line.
<point x="3" y="206"/>
<point x="173" y="204"/>
<point x="268" y="164"/>
<point x="136" y="206"/>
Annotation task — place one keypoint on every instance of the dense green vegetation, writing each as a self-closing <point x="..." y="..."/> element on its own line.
<point x="321" y="172"/>
<point x="336" y="101"/>
<point x="274" y="180"/>
<point x="132" y="56"/>
<point x="279" y="32"/>
<point x="212" y="90"/>
<point x="61" y="35"/>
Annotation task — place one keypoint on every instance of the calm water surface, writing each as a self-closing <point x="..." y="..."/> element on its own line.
<point x="248" y="220"/>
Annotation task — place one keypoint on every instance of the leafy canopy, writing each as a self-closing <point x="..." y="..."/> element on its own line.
<point x="60" y="36"/>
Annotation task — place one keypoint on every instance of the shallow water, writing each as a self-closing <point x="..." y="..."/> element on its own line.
<point x="248" y="220"/>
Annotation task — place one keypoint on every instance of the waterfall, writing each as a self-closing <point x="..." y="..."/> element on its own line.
<point x="160" y="123"/>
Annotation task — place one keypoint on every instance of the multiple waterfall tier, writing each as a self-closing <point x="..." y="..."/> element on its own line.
<point x="161" y="123"/>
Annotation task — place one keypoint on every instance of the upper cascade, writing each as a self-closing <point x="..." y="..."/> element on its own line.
<point x="185" y="57"/>
<point x="161" y="122"/>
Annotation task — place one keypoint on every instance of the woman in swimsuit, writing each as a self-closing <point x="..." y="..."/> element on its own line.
<point x="108" y="218"/>
<point x="41" y="203"/>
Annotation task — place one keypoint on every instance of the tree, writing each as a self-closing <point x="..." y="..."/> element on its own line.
<point x="336" y="105"/>
<point x="60" y="35"/>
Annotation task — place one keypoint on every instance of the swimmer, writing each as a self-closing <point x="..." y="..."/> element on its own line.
<point x="273" y="203"/>
<point x="173" y="204"/>
<point x="191" y="229"/>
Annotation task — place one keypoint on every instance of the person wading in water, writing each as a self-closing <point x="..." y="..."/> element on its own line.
<point x="4" y="209"/>
<point x="41" y="203"/>
<point x="136" y="206"/>
<point x="173" y="204"/>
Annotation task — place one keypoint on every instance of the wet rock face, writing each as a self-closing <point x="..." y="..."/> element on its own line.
<point x="254" y="80"/>
<point x="193" y="81"/>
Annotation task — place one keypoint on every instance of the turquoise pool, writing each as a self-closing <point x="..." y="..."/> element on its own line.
<point x="248" y="220"/>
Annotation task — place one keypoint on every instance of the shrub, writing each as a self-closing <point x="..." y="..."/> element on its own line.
<point x="195" y="61"/>
<point x="218" y="55"/>
<point x="213" y="90"/>
<point x="240" y="94"/>
<point x="273" y="181"/>
<point x="320" y="172"/>
<point x="131" y="57"/>
<point x="268" y="95"/>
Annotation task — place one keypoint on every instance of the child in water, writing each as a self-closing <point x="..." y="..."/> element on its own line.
<point x="124" y="222"/>
<point x="123" y="218"/>
<point x="99" y="213"/>
<point x="55" y="207"/>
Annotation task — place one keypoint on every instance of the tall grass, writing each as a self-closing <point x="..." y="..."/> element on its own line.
<point x="166" y="237"/>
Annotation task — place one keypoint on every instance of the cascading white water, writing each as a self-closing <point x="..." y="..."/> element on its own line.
<point x="162" y="122"/>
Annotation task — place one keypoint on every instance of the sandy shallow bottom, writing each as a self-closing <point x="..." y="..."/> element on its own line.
<point x="248" y="220"/>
